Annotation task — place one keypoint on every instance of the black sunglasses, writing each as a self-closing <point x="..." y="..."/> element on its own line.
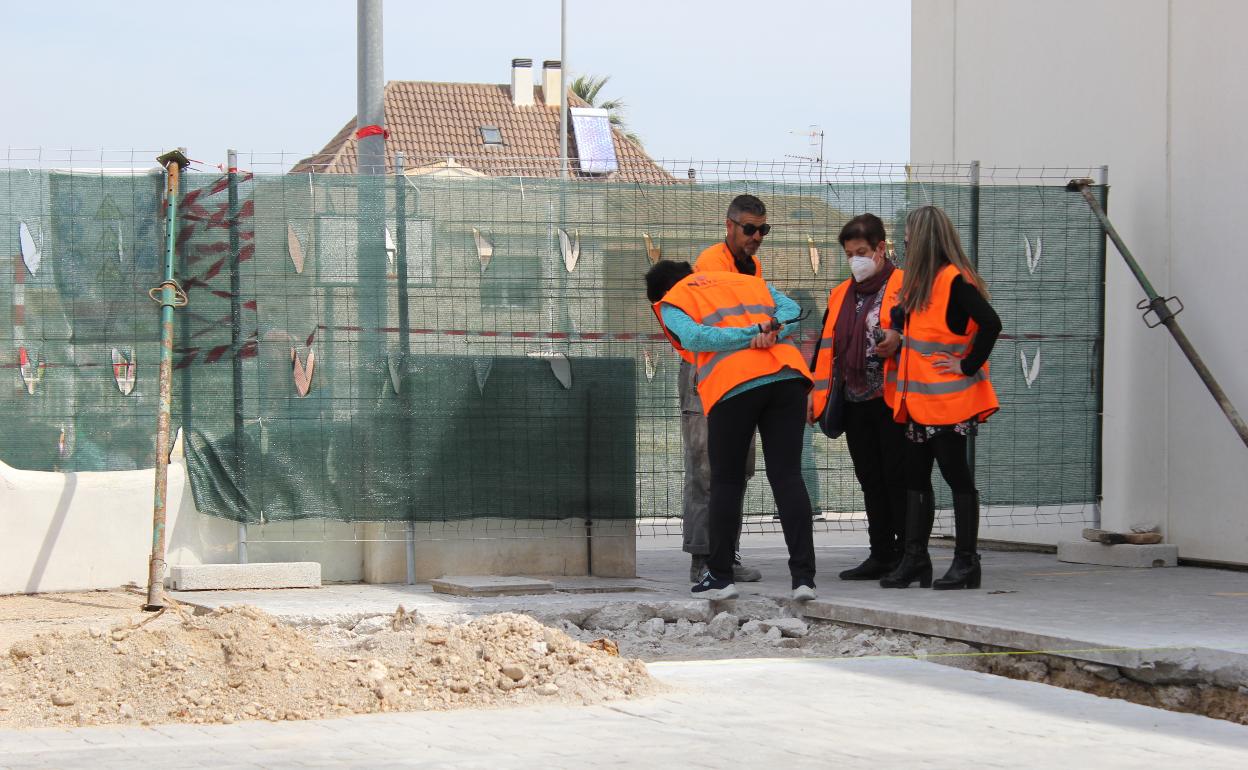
<point x="749" y="230"/>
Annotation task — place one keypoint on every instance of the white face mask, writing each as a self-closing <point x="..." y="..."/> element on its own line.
<point x="862" y="267"/>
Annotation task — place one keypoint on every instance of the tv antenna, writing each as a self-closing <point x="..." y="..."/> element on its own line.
<point x="814" y="136"/>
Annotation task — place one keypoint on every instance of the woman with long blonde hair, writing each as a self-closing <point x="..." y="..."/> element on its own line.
<point x="940" y="391"/>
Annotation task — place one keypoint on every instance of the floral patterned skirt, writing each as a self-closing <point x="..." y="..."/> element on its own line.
<point x="921" y="433"/>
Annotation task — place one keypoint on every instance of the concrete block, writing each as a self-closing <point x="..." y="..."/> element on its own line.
<point x="1085" y="552"/>
<point x="218" y="577"/>
<point x="502" y="547"/>
<point x="614" y="549"/>
<point x="490" y="585"/>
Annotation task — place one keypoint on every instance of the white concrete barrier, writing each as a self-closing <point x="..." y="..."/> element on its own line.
<point x="224" y="577"/>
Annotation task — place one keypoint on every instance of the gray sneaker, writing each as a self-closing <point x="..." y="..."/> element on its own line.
<point x="744" y="574"/>
<point x="697" y="566"/>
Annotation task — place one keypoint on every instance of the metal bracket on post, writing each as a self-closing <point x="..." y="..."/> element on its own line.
<point x="1159" y="307"/>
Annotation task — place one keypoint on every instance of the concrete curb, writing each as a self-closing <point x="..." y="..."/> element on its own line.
<point x="1177" y="664"/>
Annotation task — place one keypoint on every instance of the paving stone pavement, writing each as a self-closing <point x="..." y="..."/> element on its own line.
<point x="724" y="714"/>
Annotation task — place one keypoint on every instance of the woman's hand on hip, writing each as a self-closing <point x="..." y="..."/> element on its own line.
<point x="947" y="363"/>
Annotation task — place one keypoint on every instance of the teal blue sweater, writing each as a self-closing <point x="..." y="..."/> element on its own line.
<point x="700" y="338"/>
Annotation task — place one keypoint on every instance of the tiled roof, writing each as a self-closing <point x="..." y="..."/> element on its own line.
<point x="429" y="122"/>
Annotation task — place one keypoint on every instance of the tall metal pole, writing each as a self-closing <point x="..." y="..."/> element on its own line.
<point x="370" y="87"/>
<point x="236" y="335"/>
<point x="565" y="72"/>
<point x="171" y="296"/>
<point x="370" y="188"/>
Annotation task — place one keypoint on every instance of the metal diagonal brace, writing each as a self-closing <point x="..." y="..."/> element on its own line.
<point x="1160" y="308"/>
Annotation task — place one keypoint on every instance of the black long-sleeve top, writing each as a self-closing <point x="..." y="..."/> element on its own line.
<point x="965" y="304"/>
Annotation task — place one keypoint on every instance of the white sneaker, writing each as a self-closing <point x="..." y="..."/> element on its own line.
<point x="803" y="593"/>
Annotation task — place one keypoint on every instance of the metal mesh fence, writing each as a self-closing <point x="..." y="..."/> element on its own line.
<point x="432" y="347"/>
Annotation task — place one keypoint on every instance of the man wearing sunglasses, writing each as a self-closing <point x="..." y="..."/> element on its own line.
<point x="746" y="226"/>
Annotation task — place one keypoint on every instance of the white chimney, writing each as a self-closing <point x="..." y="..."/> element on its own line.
<point x="522" y="82"/>
<point x="552" y="83"/>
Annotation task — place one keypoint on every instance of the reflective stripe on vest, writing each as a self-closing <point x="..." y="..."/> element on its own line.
<point x="731" y="300"/>
<point x="941" y="388"/>
<point x="927" y="348"/>
<point x="706" y="366"/>
<point x="715" y="317"/>
<point x="919" y="391"/>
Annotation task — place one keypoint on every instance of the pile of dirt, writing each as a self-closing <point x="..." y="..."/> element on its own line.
<point x="238" y="663"/>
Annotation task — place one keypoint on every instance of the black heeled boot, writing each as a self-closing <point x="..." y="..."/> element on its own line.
<point x="915" y="563"/>
<point x="965" y="571"/>
<point x="885" y="551"/>
<point x="871" y="569"/>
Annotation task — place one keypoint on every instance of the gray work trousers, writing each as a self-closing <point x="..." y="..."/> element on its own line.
<point x="696" y="495"/>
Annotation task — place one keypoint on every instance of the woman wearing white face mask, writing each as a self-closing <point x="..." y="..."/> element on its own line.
<point x="848" y="394"/>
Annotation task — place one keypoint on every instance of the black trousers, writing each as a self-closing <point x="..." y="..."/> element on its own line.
<point x="778" y="412"/>
<point x="877" y="445"/>
<point x="948" y="450"/>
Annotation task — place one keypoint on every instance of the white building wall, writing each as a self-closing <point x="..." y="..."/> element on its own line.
<point x="1154" y="89"/>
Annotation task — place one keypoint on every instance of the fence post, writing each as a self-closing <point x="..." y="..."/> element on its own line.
<point x="973" y="242"/>
<point x="236" y="333"/>
<point x="400" y="258"/>
<point x="1099" y="358"/>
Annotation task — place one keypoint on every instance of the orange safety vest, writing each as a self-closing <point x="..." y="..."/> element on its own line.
<point x="921" y="392"/>
<point x="825" y="361"/>
<point x="718" y="259"/>
<point x="729" y="300"/>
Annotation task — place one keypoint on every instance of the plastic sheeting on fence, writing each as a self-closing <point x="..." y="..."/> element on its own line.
<point x="430" y="348"/>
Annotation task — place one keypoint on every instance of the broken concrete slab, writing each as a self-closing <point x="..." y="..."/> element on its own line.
<point x="490" y="585"/>
<point x="791" y="627"/>
<point x="1121" y="555"/>
<point x="233" y="577"/>
<point x="693" y="611"/>
<point x="619" y="615"/>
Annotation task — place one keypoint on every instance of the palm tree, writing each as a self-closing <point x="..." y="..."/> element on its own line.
<point x="587" y="88"/>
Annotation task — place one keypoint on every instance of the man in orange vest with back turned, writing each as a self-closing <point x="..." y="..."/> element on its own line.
<point x="746" y="226"/>
<point x="734" y="329"/>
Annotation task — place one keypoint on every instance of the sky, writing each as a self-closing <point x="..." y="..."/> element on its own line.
<point x="702" y="79"/>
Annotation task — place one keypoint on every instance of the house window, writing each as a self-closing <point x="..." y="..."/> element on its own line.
<point x="491" y="136"/>
<point x="512" y="281"/>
